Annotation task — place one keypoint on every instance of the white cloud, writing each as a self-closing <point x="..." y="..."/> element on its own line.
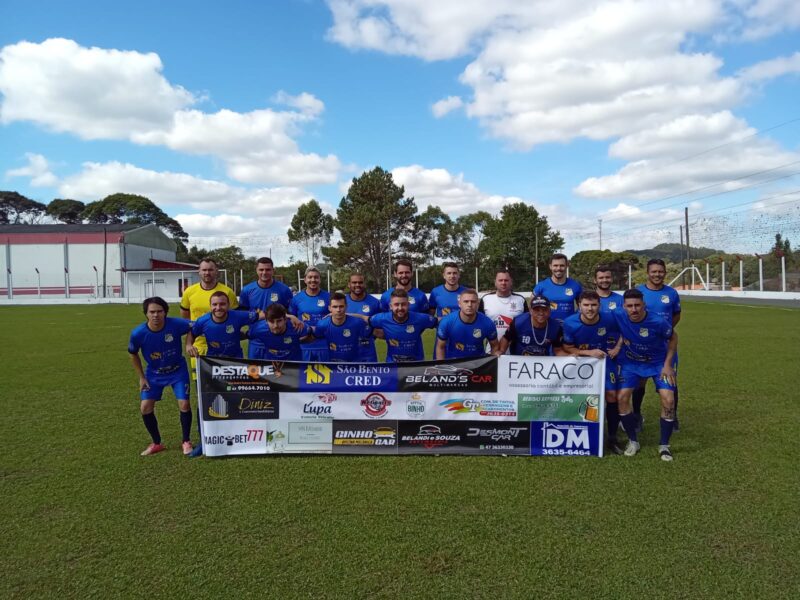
<point x="92" y="92"/>
<point x="771" y="69"/>
<point x="764" y="18"/>
<point x="98" y="93"/>
<point x="38" y="169"/>
<point x="446" y="105"/>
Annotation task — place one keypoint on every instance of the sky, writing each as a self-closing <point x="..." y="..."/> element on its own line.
<point x="609" y="117"/>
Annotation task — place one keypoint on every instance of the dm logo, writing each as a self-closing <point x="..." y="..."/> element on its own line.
<point x="568" y="437"/>
<point x="318" y="373"/>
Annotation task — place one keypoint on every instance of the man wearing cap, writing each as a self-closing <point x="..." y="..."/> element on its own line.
<point x="535" y="333"/>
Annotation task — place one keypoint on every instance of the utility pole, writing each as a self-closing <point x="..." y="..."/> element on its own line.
<point x="600" y="231"/>
<point x="683" y="262"/>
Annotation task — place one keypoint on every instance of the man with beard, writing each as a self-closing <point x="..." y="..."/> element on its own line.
<point x="310" y="306"/>
<point x="417" y="300"/>
<point x="402" y="329"/>
<point x="562" y="291"/>
<point x="444" y="298"/>
<point x="502" y="305"/>
<point x="341" y="331"/>
<point x="603" y="279"/>
<point x="265" y="290"/>
<point x="463" y="333"/>
<point x="359" y="302"/>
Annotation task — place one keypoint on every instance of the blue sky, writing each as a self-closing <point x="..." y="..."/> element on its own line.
<point x="230" y="116"/>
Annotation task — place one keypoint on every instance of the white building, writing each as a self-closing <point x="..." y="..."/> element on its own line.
<point x="94" y="261"/>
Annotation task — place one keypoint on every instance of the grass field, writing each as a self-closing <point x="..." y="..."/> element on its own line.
<point x="83" y="515"/>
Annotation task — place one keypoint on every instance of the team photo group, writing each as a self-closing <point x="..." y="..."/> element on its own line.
<point x="633" y="332"/>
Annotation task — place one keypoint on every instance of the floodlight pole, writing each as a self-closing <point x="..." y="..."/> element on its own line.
<point x="783" y="273"/>
<point x="723" y="275"/>
<point x="760" y="274"/>
<point x="630" y="276"/>
<point x="741" y="275"/>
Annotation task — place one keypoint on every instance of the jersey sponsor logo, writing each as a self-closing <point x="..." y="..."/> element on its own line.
<point x="445" y="312"/>
<point x="332" y="346"/>
<point x="394" y="342"/>
<point x="215" y="345"/>
<point x="643" y="332"/>
<point x="459" y="346"/>
<point x="375" y="405"/>
<point x="554" y="306"/>
<point x="305" y="317"/>
<point x="168" y="338"/>
<point x="476" y="333"/>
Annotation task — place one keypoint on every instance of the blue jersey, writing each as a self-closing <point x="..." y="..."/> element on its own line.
<point x="417" y="300"/>
<point x="367" y="306"/>
<point x="465" y="339"/>
<point x="343" y="340"/>
<point x="445" y="301"/>
<point x="527" y="340"/>
<point x="310" y="310"/>
<point x="254" y="296"/>
<point x="664" y="302"/>
<point x="223" y="339"/>
<point x="403" y="340"/>
<point x="611" y="303"/>
<point x="162" y="350"/>
<point x="266" y="345"/>
<point x="644" y="345"/>
<point x="602" y="335"/>
<point x="562" y="296"/>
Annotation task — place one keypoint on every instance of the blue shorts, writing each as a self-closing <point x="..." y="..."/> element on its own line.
<point x="632" y="380"/>
<point x="613" y="377"/>
<point x="315" y="354"/>
<point x="179" y="381"/>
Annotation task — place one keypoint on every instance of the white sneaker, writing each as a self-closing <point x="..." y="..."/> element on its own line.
<point x="665" y="453"/>
<point x="632" y="448"/>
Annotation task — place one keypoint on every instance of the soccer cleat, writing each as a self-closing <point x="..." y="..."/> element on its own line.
<point x="187" y="447"/>
<point x="153" y="449"/>
<point x="613" y="446"/>
<point x="632" y="448"/>
<point x="196" y="451"/>
<point x="665" y="453"/>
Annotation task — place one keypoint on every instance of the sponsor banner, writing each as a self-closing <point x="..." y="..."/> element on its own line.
<point x="497" y="437"/>
<point x="564" y="438"/>
<point x="290" y="436"/>
<point x="342" y="405"/>
<point x="364" y="437"/>
<point x="469" y="374"/>
<point x="559" y="407"/>
<point x="246" y="376"/>
<point x="225" y="438"/>
<point x="348" y="377"/>
<point x="432" y="437"/>
<point x="240" y="405"/>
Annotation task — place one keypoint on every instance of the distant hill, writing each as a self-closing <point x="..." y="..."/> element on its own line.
<point x="672" y="252"/>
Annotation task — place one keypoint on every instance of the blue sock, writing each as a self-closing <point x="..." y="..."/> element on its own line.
<point x="629" y="424"/>
<point x="675" y="394"/>
<point x="666" y="431"/>
<point x="612" y="416"/>
<point x="151" y="423"/>
<point x="186" y="424"/>
<point x="638" y="397"/>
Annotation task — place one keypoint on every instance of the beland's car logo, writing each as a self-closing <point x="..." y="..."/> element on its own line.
<point x="449" y="375"/>
<point x="567" y="436"/>
<point x="461" y="405"/>
<point x="168" y="338"/>
<point x="218" y="408"/>
<point x="318" y="373"/>
<point x="643" y="332"/>
<point x="375" y="405"/>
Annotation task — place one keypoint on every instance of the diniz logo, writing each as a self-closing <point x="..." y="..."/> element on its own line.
<point x="251" y="371"/>
<point x="249" y="435"/>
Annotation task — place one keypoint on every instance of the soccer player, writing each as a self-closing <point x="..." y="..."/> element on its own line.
<point x="649" y="347"/>
<point x="310" y="306"/>
<point x="663" y="300"/>
<point x="562" y="291"/>
<point x="159" y="341"/>
<point x="341" y="331"/>
<point x="272" y="339"/>
<point x="221" y="327"/>
<point x="603" y="278"/>
<point x="359" y="302"/>
<point x="593" y="333"/>
<point x="502" y="305"/>
<point x="195" y="302"/>
<point x="265" y="290"/>
<point x="535" y="333"/>
<point x="465" y="332"/>
<point x="402" y="329"/>
<point x="417" y="300"/>
<point x="444" y="298"/>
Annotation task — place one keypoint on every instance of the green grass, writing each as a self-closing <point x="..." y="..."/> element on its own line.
<point x="84" y="516"/>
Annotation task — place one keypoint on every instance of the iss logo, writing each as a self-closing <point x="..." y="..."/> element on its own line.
<point x="375" y="405"/>
<point x="318" y="373"/>
<point x="563" y="438"/>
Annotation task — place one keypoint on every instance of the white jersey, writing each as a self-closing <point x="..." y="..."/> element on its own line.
<point x="502" y="310"/>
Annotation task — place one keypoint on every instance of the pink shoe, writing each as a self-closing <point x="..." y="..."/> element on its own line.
<point x="153" y="449"/>
<point x="187" y="448"/>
